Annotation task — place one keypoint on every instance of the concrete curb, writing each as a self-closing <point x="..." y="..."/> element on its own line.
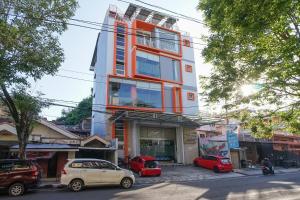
<point x="49" y="186"/>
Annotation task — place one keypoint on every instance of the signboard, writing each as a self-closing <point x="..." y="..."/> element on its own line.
<point x="189" y="136"/>
<point x="211" y="147"/>
<point x="60" y="141"/>
<point x="232" y="139"/>
<point x="39" y="155"/>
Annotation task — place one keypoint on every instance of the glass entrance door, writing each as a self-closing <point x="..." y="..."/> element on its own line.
<point x="160" y="149"/>
<point x="158" y="142"/>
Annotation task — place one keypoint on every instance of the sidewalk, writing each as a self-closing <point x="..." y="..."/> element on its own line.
<point x="184" y="173"/>
<point x="49" y="183"/>
<point x="257" y="171"/>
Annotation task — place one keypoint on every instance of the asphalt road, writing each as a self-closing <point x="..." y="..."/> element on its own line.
<point x="281" y="186"/>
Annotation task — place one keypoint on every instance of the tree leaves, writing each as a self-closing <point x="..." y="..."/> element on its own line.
<point x="252" y="42"/>
<point x="29" y="48"/>
<point x="75" y="116"/>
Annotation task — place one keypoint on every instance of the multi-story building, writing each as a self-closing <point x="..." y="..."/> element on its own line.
<point x="145" y="88"/>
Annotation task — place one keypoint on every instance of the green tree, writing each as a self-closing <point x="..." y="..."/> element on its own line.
<point x="254" y="42"/>
<point x="27" y="110"/>
<point x="29" y="48"/>
<point x="82" y="111"/>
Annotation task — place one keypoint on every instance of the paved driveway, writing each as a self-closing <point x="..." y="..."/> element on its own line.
<point x="184" y="173"/>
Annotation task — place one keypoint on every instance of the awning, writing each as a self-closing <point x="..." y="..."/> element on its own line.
<point x="96" y="148"/>
<point x="47" y="147"/>
<point x="156" y="117"/>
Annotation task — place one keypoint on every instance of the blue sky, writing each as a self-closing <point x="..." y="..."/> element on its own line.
<point x="78" y="44"/>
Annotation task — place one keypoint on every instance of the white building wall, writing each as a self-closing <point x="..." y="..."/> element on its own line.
<point x="189" y="80"/>
<point x="103" y="66"/>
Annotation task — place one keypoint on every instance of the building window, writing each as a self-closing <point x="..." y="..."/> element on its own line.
<point x="177" y="102"/>
<point x="186" y="43"/>
<point x="191" y="96"/>
<point x="145" y="38"/>
<point x="168" y="99"/>
<point x="132" y="93"/>
<point x="189" y="68"/>
<point x="120" y="49"/>
<point x="170" y="69"/>
<point x="147" y="64"/>
<point x="160" y="67"/>
<point x="119" y="132"/>
<point x="168" y="40"/>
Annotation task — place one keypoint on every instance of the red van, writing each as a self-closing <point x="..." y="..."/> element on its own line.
<point x="18" y="175"/>
<point x="216" y="163"/>
<point x="145" y="166"/>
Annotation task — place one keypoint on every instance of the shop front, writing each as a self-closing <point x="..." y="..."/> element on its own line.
<point x="167" y="137"/>
<point x="158" y="142"/>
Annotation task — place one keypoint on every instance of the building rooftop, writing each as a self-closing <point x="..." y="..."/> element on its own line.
<point x="148" y="15"/>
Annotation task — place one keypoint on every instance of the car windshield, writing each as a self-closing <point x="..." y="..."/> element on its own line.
<point x="151" y="164"/>
<point x="225" y="161"/>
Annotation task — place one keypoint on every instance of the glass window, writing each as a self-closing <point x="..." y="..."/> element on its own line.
<point x="120" y="54"/>
<point x="145" y="38"/>
<point x="135" y="93"/>
<point x="147" y="64"/>
<point x="148" y="98"/>
<point x="151" y="164"/>
<point x="105" y="165"/>
<point x="21" y="165"/>
<point x="168" y="99"/>
<point x="120" y="94"/>
<point x="88" y="164"/>
<point x="6" y="166"/>
<point x="76" y="164"/>
<point x="168" y="41"/>
<point x="119" y="131"/>
<point x="170" y="69"/>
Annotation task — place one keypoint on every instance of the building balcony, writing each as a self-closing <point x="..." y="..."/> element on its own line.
<point x="155" y="38"/>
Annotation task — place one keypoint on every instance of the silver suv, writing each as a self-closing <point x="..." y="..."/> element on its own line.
<point x="80" y="173"/>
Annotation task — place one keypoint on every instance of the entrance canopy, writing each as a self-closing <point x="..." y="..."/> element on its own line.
<point x="156" y="117"/>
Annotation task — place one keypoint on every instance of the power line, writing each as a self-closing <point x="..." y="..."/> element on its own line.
<point x="78" y="72"/>
<point x="76" y="78"/>
<point x="68" y="106"/>
<point x="109" y="25"/>
<point x="103" y="105"/>
<point x="113" y="31"/>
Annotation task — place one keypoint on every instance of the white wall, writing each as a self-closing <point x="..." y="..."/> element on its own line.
<point x="103" y="66"/>
<point x="189" y="80"/>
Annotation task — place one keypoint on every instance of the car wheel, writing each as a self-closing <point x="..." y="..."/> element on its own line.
<point x="195" y="164"/>
<point x="76" y="185"/>
<point x="140" y="173"/>
<point x="126" y="183"/>
<point x="16" y="189"/>
<point x="216" y="170"/>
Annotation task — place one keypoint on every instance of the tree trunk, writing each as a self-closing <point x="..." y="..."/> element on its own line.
<point x="22" y="150"/>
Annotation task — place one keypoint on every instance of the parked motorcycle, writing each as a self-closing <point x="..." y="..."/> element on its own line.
<point x="268" y="170"/>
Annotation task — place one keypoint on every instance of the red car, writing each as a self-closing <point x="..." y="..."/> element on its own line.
<point x="216" y="163"/>
<point x="16" y="176"/>
<point x="145" y="166"/>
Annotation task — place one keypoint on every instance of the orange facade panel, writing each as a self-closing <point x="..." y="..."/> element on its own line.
<point x="148" y="27"/>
